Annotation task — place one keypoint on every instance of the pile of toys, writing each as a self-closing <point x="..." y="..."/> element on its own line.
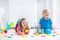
<point x="8" y="26"/>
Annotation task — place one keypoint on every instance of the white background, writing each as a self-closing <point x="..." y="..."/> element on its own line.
<point x="23" y="9"/>
<point x="12" y="10"/>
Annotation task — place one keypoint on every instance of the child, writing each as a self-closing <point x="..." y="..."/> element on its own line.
<point x="22" y="27"/>
<point x="45" y="23"/>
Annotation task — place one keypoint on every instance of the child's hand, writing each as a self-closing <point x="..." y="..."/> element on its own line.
<point x="20" y="33"/>
<point x="36" y="33"/>
<point x="55" y="32"/>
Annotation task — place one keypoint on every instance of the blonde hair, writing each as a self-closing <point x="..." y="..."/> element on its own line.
<point x="45" y="10"/>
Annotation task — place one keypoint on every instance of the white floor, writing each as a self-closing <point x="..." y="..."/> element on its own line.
<point x="28" y="37"/>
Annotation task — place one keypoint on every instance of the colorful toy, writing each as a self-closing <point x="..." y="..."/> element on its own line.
<point x="4" y="28"/>
<point x="32" y="36"/>
<point x="9" y="37"/>
<point x="12" y="24"/>
<point x="53" y="35"/>
<point x="42" y="32"/>
<point x="48" y="34"/>
<point x="22" y="34"/>
<point x="1" y="30"/>
<point x="43" y="35"/>
<point x="36" y="34"/>
<point x="25" y="36"/>
<point x="58" y="34"/>
<point x="5" y="36"/>
<point x="5" y="31"/>
<point x="7" y="26"/>
<point x="11" y="34"/>
<point x="26" y="31"/>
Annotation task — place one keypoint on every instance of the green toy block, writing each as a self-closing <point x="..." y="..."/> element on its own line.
<point x="12" y="24"/>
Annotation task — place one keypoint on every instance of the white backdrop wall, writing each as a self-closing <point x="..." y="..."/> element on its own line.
<point x="56" y="13"/>
<point x="12" y="10"/>
<point x="23" y="9"/>
<point x="4" y="12"/>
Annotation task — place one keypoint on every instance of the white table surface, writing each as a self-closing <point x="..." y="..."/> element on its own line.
<point x="29" y="37"/>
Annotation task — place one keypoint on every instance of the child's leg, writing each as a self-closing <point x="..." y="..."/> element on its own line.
<point x="47" y="31"/>
<point x="40" y="31"/>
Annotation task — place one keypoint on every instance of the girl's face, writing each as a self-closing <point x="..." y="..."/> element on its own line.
<point x="24" y="23"/>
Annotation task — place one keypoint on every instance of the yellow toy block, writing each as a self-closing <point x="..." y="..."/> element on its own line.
<point x="25" y="36"/>
<point x="58" y="34"/>
<point x="37" y="34"/>
<point x="22" y="34"/>
<point x="5" y="36"/>
<point x="48" y="34"/>
<point x="26" y="30"/>
<point x="4" y="28"/>
<point x="1" y="32"/>
<point x="42" y="32"/>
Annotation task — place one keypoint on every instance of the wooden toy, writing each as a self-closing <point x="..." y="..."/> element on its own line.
<point x="32" y="36"/>
<point x="11" y="34"/>
<point x="12" y="24"/>
<point x="4" y="28"/>
<point x="43" y="35"/>
<point x="42" y="32"/>
<point x="10" y="28"/>
<point x="48" y="34"/>
<point x="25" y="36"/>
<point x="1" y="32"/>
<point x="26" y="31"/>
<point x="53" y="35"/>
<point x="58" y="34"/>
<point x="9" y="37"/>
<point x="5" y="36"/>
<point x="5" y="31"/>
<point x="22" y="34"/>
<point x="36" y="34"/>
<point x="7" y="26"/>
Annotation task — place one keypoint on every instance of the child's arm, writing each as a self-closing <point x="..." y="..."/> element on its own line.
<point x="19" y="32"/>
<point x="38" y="28"/>
<point x="53" y="28"/>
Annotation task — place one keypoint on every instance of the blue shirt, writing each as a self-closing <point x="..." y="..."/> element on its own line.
<point x="45" y="24"/>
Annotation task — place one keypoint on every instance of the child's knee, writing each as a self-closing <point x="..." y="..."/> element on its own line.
<point x="47" y="31"/>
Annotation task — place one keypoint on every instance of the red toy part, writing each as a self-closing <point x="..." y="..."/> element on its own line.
<point x="16" y="27"/>
<point x="5" y="31"/>
<point x="26" y="31"/>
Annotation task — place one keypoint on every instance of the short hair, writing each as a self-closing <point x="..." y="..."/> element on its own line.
<point x="45" y="10"/>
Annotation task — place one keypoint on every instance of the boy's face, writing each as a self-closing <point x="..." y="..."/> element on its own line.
<point x="45" y="13"/>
